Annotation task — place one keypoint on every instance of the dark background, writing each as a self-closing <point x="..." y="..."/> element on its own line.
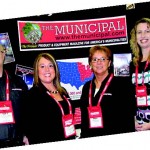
<point x="26" y="58"/>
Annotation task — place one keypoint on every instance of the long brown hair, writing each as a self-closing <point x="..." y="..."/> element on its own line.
<point x="136" y="50"/>
<point x="57" y="74"/>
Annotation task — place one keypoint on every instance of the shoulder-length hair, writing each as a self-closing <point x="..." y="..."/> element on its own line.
<point x="57" y="74"/>
<point x="136" y="50"/>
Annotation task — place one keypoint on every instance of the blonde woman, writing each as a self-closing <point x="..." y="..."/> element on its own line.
<point x="140" y="71"/>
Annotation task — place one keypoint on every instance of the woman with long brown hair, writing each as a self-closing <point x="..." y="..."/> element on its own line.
<point x="47" y="110"/>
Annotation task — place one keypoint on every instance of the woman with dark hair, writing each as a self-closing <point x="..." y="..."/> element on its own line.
<point x="47" y="110"/>
<point x="140" y="71"/>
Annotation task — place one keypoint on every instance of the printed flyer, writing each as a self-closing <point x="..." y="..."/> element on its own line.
<point x="26" y="73"/>
<point x="5" y="41"/>
<point x="121" y="64"/>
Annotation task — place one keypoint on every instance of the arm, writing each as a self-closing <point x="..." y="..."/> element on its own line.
<point x="25" y="140"/>
<point x="141" y="127"/>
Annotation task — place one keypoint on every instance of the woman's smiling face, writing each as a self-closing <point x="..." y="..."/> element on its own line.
<point x="46" y="71"/>
<point x="100" y="63"/>
<point x="143" y="35"/>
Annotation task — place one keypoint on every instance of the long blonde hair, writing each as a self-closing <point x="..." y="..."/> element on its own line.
<point x="57" y="74"/>
<point x="136" y="50"/>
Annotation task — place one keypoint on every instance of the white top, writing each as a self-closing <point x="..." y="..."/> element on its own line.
<point x="96" y="90"/>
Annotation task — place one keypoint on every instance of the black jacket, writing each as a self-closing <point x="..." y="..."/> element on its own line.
<point x="118" y="107"/>
<point x="42" y="117"/>
<point x="17" y="89"/>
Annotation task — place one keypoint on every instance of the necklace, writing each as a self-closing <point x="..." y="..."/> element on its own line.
<point x="54" y="92"/>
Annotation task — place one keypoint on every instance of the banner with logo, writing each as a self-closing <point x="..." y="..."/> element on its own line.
<point x="50" y="35"/>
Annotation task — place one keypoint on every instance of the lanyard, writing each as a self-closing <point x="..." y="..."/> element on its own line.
<point x="70" y="109"/>
<point x="7" y="86"/>
<point x="104" y="90"/>
<point x="136" y="73"/>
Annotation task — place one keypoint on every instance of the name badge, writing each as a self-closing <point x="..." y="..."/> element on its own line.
<point x="68" y="125"/>
<point x="6" y="112"/>
<point x="141" y="96"/>
<point x="95" y="117"/>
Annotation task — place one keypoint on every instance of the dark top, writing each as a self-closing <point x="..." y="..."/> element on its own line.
<point x="143" y="113"/>
<point x="42" y="116"/>
<point x="118" y="108"/>
<point x="17" y="88"/>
